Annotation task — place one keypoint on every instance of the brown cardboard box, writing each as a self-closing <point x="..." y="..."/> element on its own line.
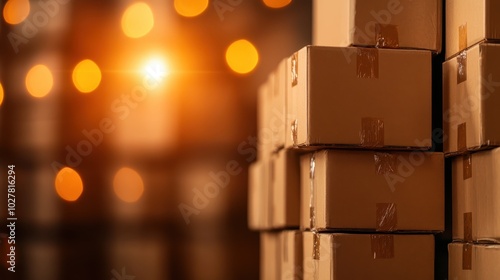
<point x="361" y="97"/>
<point x="473" y="261"/>
<point x="382" y="23"/>
<point x="476" y="196"/>
<point x="291" y="254"/>
<point x="285" y="189"/>
<point x="471" y="84"/>
<point x="270" y="256"/>
<point x="258" y="195"/>
<point x="469" y="22"/>
<point x="365" y="190"/>
<point x="264" y="114"/>
<point x="340" y="256"/>
<point x="278" y="119"/>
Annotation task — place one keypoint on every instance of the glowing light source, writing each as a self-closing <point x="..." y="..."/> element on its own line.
<point x="1" y="94"/>
<point x="39" y="81"/>
<point x="276" y="3"/>
<point x="68" y="184"/>
<point x="190" y="8"/>
<point x="86" y="76"/>
<point x="156" y="69"/>
<point x="242" y="56"/>
<point x="128" y="185"/>
<point x="16" y="11"/>
<point x="137" y="20"/>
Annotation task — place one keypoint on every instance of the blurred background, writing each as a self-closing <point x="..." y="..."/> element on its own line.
<point x="131" y="125"/>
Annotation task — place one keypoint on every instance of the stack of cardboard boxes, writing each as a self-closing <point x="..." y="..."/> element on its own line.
<point x="346" y="185"/>
<point x="471" y="121"/>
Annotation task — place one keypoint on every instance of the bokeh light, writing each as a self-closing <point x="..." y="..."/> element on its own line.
<point x="1" y="94"/>
<point x="276" y="3"/>
<point x="137" y="20"/>
<point x="128" y="185"/>
<point x="86" y="76"/>
<point x="242" y="56"/>
<point x="69" y="185"/>
<point x="39" y="81"/>
<point x="190" y="8"/>
<point x="16" y="11"/>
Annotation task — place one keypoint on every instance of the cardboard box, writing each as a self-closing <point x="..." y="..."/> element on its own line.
<point x="473" y="261"/>
<point x="361" y="97"/>
<point x="285" y="190"/>
<point x="366" y="190"/>
<point x="340" y="256"/>
<point x="258" y="196"/>
<point x="471" y="87"/>
<point x="270" y="256"/>
<point x="476" y="197"/>
<point x="264" y="114"/>
<point x="469" y="22"/>
<point x="278" y="119"/>
<point x="381" y="23"/>
<point x="291" y="254"/>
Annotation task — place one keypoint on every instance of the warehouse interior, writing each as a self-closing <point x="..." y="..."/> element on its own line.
<point x="237" y="139"/>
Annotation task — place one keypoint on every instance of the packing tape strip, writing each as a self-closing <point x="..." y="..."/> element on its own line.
<point x="467" y="166"/>
<point x="294" y="68"/>
<point x="385" y="163"/>
<point x="316" y="246"/>
<point x="462" y="67"/>
<point x="372" y="132"/>
<point x="386" y="36"/>
<point x="386" y="217"/>
<point x="462" y="37"/>
<point x="367" y="63"/>
<point x="312" y="214"/>
<point x="467" y="256"/>
<point x="468" y="226"/>
<point x="294" y="127"/>
<point x="462" y="137"/>
<point x="382" y="246"/>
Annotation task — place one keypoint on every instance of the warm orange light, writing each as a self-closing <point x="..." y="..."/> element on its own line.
<point x="16" y="11"/>
<point x="68" y="184"/>
<point x="190" y="8"/>
<point x="1" y="94"/>
<point x="86" y="76"/>
<point x="242" y="56"/>
<point x="276" y="3"/>
<point x="137" y="20"/>
<point x="128" y="185"/>
<point x="39" y="81"/>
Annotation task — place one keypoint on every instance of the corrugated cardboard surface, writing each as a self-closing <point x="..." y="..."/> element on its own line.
<point x="285" y="188"/>
<point x="478" y="195"/>
<point x="353" y="22"/>
<point x="291" y="254"/>
<point x="351" y="256"/>
<point x="351" y="190"/>
<point x="258" y="195"/>
<point x="483" y="262"/>
<point x="478" y="20"/>
<point x="264" y="115"/>
<point x="270" y="256"/>
<point x="334" y="95"/>
<point x="278" y="115"/>
<point x="473" y="102"/>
